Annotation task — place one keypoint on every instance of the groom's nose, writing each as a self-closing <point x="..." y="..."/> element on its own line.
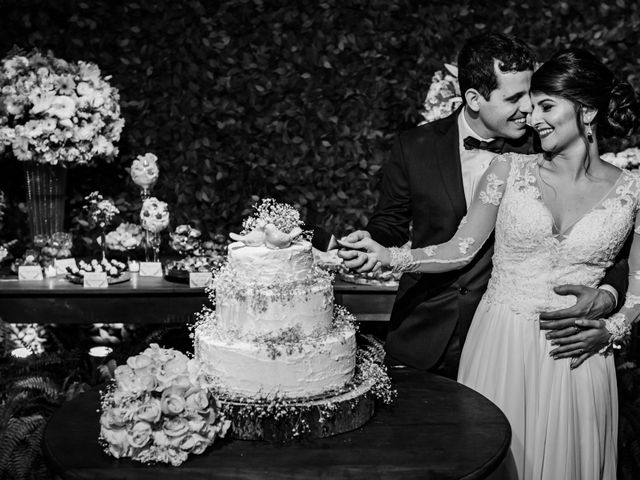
<point x="525" y="104"/>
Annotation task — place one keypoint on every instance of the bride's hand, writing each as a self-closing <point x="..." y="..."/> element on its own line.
<point x="377" y="255"/>
<point x="591" y="336"/>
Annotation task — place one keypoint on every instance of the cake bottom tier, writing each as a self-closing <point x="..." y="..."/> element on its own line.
<point x="313" y="367"/>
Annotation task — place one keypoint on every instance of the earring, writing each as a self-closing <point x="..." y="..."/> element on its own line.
<point x="589" y="133"/>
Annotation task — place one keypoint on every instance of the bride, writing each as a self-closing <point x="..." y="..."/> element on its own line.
<point x="560" y="218"/>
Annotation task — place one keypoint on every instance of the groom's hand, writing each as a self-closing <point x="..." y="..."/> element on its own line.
<point x="353" y="259"/>
<point x="591" y="303"/>
<point x="576" y="329"/>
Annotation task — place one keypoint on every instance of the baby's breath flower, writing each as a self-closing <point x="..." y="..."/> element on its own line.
<point x="285" y="217"/>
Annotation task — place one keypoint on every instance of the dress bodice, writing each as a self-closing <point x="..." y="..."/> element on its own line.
<point x="531" y="258"/>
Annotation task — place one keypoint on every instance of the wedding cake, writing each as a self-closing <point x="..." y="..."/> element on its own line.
<point x="274" y="332"/>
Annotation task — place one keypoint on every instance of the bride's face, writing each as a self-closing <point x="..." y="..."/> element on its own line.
<point x="555" y="119"/>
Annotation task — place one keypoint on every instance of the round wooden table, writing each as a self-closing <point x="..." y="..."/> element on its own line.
<point x="435" y="429"/>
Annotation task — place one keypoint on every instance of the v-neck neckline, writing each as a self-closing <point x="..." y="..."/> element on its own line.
<point x="567" y="231"/>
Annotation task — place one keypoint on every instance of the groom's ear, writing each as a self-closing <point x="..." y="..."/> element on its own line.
<point x="472" y="98"/>
<point x="588" y="114"/>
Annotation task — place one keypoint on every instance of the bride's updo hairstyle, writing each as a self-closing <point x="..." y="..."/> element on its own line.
<point x="578" y="76"/>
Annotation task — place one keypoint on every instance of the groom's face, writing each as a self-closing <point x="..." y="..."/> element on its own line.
<point x="505" y="112"/>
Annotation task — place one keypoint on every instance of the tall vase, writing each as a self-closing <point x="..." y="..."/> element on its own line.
<point x="46" y="194"/>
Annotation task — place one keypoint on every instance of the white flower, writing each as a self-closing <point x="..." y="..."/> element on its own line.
<point x="14" y="106"/>
<point x="66" y="85"/>
<point x="62" y="107"/>
<point x="42" y="102"/>
<point x="139" y="435"/>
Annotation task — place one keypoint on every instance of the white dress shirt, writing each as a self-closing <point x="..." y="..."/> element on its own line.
<point x="473" y="162"/>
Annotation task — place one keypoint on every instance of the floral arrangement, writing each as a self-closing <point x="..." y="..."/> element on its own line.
<point x="154" y="215"/>
<point x="159" y="410"/>
<point x="32" y="336"/>
<point x="629" y="158"/>
<point x="31" y="258"/>
<point x="185" y="239"/>
<point x="443" y="96"/>
<point x="144" y="171"/>
<point x="53" y="111"/>
<point x="100" y="210"/>
<point x="128" y="236"/>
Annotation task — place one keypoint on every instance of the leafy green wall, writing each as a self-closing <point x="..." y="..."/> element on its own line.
<point x="299" y="101"/>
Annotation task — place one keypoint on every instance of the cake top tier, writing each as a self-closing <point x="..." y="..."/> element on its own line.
<point x="273" y="225"/>
<point x="263" y="265"/>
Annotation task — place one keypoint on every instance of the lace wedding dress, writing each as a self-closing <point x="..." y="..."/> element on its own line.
<point x="564" y="421"/>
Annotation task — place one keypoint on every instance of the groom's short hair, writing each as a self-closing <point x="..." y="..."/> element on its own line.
<point x="477" y="56"/>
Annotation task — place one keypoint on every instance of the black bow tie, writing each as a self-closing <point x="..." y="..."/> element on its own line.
<point x="495" y="146"/>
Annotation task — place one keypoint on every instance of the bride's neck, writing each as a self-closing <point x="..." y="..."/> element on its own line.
<point x="575" y="161"/>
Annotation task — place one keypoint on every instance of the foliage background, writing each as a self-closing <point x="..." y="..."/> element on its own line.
<point x="299" y="101"/>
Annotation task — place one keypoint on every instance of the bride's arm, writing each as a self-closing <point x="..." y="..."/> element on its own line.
<point x="474" y="230"/>
<point x="619" y="325"/>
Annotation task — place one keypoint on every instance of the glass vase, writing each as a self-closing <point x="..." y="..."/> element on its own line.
<point x="152" y="246"/>
<point x="46" y="187"/>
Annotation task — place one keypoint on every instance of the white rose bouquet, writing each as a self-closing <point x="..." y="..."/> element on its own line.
<point x="443" y="96"/>
<point x="53" y="111"/>
<point x="185" y="239"/>
<point x="154" y="215"/>
<point x="160" y="409"/>
<point x="145" y="171"/>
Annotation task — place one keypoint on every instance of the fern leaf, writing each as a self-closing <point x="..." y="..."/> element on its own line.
<point x="26" y="458"/>
<point x="43" y="385"/>
<point x="18" y="430"/>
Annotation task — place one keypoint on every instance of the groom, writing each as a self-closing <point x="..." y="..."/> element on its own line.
<point x="429" y="182"/>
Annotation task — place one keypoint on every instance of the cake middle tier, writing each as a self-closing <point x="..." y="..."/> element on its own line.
<point x="261" y="310"/>
<point x="304" y="369"/>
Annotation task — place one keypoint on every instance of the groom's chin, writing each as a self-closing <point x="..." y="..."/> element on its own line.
<point x="516" y="132"/>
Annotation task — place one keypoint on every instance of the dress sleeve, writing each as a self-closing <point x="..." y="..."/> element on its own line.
<point x="474" y="229"/>
<point x="620" y="324"/>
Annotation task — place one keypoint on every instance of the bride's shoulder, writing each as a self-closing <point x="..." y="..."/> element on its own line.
<point x="630" y="176"/>
<point x="629" y="183"/>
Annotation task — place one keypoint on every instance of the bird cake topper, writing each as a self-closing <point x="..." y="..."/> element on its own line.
<point x="274" y="225"/>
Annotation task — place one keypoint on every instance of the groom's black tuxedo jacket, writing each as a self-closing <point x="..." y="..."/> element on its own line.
<point x="422" y="186"/>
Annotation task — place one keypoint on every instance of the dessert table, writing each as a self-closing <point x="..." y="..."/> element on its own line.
<point x="147" y="300"/>
<point x="436" y="428"/>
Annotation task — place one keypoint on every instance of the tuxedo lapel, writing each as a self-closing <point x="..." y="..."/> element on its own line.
<point x="447" y="153"/>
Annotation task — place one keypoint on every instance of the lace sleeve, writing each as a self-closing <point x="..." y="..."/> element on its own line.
<point x="473" y="231"/>
<point x="619" y="325"/>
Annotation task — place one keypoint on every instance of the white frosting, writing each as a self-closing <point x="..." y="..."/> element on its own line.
<point x="268" y="265"/>
<point x="304" y="370"/>
<point x="263" y="312"/>
<point x="272" y="332"/>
